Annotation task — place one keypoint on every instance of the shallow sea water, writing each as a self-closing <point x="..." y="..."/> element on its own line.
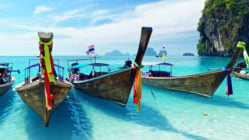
<point x="175" y="115"/>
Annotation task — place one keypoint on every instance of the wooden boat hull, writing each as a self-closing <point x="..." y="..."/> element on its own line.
<point x="115" y="86"/>
<point x="33" y="95"/>
<point x="204" y="84"/>
<point x="241" y="76"/>
<point x="5" y="87"/>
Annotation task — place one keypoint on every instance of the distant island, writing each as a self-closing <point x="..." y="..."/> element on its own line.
<point x="150" y="52"/>
<point x="116" y="53"/>
<point x="188" y="54"/>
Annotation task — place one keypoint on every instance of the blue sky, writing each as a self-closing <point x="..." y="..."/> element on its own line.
<point x="108" y="24"/>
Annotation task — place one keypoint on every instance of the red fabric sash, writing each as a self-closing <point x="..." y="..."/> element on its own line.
<point x="137" y="91"/>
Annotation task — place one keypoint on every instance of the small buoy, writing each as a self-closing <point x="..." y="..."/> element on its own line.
<point x="205" y="114"/>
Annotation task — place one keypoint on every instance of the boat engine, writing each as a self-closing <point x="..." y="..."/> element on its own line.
<point x="128" y="63"/>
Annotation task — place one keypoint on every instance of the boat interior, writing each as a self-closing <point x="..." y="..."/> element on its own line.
<point x="96" y="69"/>
<point x="36" y="68"/>
<point x="159" y="72"/>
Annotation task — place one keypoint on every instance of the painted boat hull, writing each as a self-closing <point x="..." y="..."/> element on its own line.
<point x="33" y="95"/>
<point x="203" y="84"/>
<point x="241" y="76"/>
<point x="114" y="86"/>
<point x="5" y="87"/>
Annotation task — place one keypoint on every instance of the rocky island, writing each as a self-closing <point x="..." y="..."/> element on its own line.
<point x="150" y="52"/>
<point x="116" y="53"/>
<point x="223" y="23"/>
<point x="188" y="54"/>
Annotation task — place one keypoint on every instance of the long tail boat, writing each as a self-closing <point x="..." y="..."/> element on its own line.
<point x="47" y="90"/>
<point x="241" y="71"/>
<point x="242" y="74"/>
<point x="242" y="68"/>
<point x="6" y="80"/>
<point x="116" y="85"/>
<point x="203" y="84"/>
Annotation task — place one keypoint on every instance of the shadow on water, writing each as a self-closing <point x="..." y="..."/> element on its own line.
<point x="6" y="103"/>
<point x="147" y="117"/>
<point x="65" y="123"/>
<point x="216" y="100"/>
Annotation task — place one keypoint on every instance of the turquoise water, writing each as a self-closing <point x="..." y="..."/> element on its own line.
<point x="175" y="115"/>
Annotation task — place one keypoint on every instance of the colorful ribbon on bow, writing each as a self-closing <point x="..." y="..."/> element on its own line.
<point x="229" y="87"/>
<point x="246" y="57"/>
<point x="137" y="92"/>
<point x="47" y="69"/>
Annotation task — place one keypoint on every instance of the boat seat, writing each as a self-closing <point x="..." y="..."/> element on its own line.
<point x="161" y="74"/>
<point x="45" y="37"/>
<point x="35" y="78"/>
<point x="83" y="76"/>
<point x="99" y="73"/>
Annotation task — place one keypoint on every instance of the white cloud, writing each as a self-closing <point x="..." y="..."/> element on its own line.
<point x="41" y="9"/>
<point x="165" y="17"/>
<point x="98" y="13"/>
<point x="76" y="13"/>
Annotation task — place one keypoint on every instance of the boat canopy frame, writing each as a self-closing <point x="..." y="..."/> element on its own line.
<point x="78" y="66"/>
<point x="159" y="65"/>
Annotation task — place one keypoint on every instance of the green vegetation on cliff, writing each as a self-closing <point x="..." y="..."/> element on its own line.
<point x="201" y="47"/>
<point x="236" y="6"/>
<point x="223" y="23"/>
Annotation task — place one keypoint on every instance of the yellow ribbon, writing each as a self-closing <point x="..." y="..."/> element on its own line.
<point x="137" y="95"/>
<point x="243" y="46"/>
<point x="46" y="57"/>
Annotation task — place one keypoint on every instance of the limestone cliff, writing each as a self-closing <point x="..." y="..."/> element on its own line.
<point x="223" y="23"/>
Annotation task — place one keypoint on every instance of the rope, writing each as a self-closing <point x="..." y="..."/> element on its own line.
<point x="164" y="112"/>
<point x="83" y="131"/>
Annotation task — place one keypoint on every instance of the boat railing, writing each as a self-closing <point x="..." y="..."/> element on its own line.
<point x="59" y="74"/>
<point x="9" y="68"/>
<point x="27" y="72"/>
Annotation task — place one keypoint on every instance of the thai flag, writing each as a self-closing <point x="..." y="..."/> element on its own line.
<point x="91" y="49"/>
